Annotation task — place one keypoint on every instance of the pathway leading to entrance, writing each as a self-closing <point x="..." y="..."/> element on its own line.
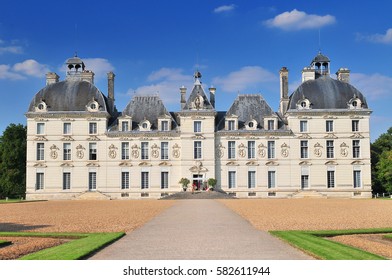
<point x="198" y="230"/>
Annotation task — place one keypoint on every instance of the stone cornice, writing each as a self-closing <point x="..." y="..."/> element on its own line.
<point x="136" y="135"/>
<point x="324" y="113"/>
<point x="254" y="133"/>
<point x="66" y="115"/>
<point x="196" y="113"/>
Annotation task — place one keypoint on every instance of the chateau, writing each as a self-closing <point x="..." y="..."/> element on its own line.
<point x="80" y="146"/>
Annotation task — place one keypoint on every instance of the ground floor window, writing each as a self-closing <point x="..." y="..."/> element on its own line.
<point x="251" y="179"/>
<point x="330" y="179"/>
<point x="92" y="180"/>
<point x="66" y="180"/>
<point x="357" y="178"/>
<point x="304" y="181"/>
<point x="271" y="179"/>
<point x="39" y="181"/>
<point x="124" y="180"/>
<point x="144" y="180"/>
<point x="232" y="179"/>
<point x="164" y="180"/>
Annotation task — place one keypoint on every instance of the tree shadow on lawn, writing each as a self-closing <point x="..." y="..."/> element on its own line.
<point x="19" y="227"/>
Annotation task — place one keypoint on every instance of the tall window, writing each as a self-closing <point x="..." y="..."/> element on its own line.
<point x="144" y="180"/>
<point x="355" y="125"/>
<point x="40" y="128"/>
<point x="329" y="126"/>
<point x="330" y="149"/>
<point x="124" y="126"/>
<point x="357" y="178"/>
<point x="356" y="149"/>
<point x="92" y="151"/>
<point x="164" y="125"/>
<point x="66" y="180"/>
<point x="231" y="150"/>
<point x="124" y="180"/>
<point x="92" y="128"/>
<point x="304" y="149"/>
<point x="39" y="180"/>
<point x="232" y="179"/>
<point x="92" y="180"/>
<point x="251" y="179"/>
<point x="197" y="150"/>
<point x="271" y="124"/>
<point x="67" y="151"/>
<point x="125" y="150"/>
<point x="197" y="126"/>
<point x="231" y="125"/>
<point x="271" y="179"/>
<point x="40" y="151"/>
<point x="330" y="179"/>
<point x="304" y="181"/>
<point x="66" y="128"/>
<point x="144" y="150"/>
<point x="303" y="126"/>
<point x="251" y="149"/>
<point x="164" y="180"/>
<point x="164" y="150"/>
<point x="271" y="149"/>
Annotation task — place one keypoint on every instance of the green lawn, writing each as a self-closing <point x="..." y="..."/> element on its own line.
<point x="314" y="243"/>
<point x="82" y="245"/>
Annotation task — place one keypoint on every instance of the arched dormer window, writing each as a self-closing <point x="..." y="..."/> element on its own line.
<point x="92" y="106"/>
<point x="145" y="126"/>
<point x="251" y="125"/>
<point x="355" y="103"/>
<point x="303" y="104"/>
<point x="41" y="107"/>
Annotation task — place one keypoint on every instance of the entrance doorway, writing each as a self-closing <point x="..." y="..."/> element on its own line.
<point x="197" y="182"/>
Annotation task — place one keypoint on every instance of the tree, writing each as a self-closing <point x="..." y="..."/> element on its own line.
<point x="384" y="170"/>
<point x="212" y="182"/>
<point x="13" y="161"/>
<point x="382" y="144"/>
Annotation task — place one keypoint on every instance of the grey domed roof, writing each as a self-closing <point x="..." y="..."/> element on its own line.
<point x="326" y="93"/>
<point x="320" y="58"/>
<point x="69" y="96"/>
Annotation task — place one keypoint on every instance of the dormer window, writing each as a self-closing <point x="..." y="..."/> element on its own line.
<point x="231" y="122"/>
<point x="124" y="126"/>
<point x="164" y="125"/>
<point x="251" y="125"/>
<point x="92" y="106"/>
<point x="145" y="126"/>
<point x="355" y="103"/>
<point x="41" y="107"/>
<point x="303" y="104"/>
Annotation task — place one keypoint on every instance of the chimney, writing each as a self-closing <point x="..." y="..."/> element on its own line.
<point x="52" y="78"/>
<point x="212" y="90"/>
<point x="183" y="93"/>
<point x="308" y="74"/>
<point x="284" y="90"/>
<point x="111" y="91"/>
<point x="88" y="76"/>
<point x="343" y="75"/>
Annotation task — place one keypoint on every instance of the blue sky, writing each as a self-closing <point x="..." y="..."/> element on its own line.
<point x="154" y="47"/>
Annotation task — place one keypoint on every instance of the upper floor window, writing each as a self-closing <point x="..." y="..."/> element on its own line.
<point x="329" y="126"/>
<point x="40" y="151"/>
<point x="271" y="149"/>
<point x="40" y="128"/>
<point x="197" y="150"/>
<point x="164" y="150"/>
<point x="330" y="149"/>
<point x="356" y="149"/>
<point x="355" y="125"/>
<point x="164" y="125"/>
<point x="197" y="126"/>
<point x="92" y="151"/>
<point x="303" y="126"/>
<point x="251" y="149"/>
<point x="92" y="128"/>
<point x="231" y="125"/>
<point x="66" y="128"/>
<point x="144" y="150"/>
<point x="125" y="150"/>
<point x="304" y="149"/>
<point x="231" y="149"/>
<point x="67" y="151"/>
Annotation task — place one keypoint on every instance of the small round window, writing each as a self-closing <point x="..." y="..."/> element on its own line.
<point x="251" y="124"/>
<point x="41" y="106"/>
<point x="144" y="125"/>
<point x="93" y="106"/>
<point x="355" y="103"/>
<point x="303" y="104"/>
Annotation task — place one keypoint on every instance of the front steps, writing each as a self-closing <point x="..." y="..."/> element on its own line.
<point x="95" y="195"/>
<point x="308" y="194"/>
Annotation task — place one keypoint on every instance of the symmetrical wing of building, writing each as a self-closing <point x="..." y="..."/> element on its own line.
<point x="317" y="143"/>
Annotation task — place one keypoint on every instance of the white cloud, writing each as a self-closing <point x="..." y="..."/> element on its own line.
<point x="378" y="38"/>
<point x="31" y="67"/>
<point x="166" y="83"/>
<point x="7" y="74"/>
<point x="247" y="77"/>
<point x="100" y="66"/>
<point x="224" y="8"/>
<point x="298" y="20"/>
<point x="374" y="86"/>
<point x="11" y="49"/>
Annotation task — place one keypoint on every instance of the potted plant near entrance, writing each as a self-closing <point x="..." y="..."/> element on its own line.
<point x="212" y="183"/>
<point x="184" y="182"/>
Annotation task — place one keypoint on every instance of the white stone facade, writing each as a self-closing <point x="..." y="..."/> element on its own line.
<point x="305" y="149"/>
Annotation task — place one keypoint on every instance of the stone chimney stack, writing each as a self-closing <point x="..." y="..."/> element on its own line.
<point x="308" y="74"/>
<point x="343" y="75"/>
<point x="88" y="76"/>
<point x="212" y="90"/>
<point x="111" y="91"/>
<point x="52" y="78"/>
<point x="284" y="90"/>
<point x="183" y="93"/>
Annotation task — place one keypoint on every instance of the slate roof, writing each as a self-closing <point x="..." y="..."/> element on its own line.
<point x="196" y="91"/>
<point x="149" y="108"/>
<point x="69" y="95"/>
<point x="326" y="93"/>
<point x="320" y="58"/>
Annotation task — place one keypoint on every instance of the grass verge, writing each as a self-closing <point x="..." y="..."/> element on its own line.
<point x="83" y="245"/>
<point x="314" y="243"/>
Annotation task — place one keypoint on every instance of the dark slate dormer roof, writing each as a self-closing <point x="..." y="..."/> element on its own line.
<point x="198" y="91"/>
<point x="69" y="96"/>
<point x="248" y="107"/>
<point x="326" y="93"/>
<point x="149" y="108"/>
